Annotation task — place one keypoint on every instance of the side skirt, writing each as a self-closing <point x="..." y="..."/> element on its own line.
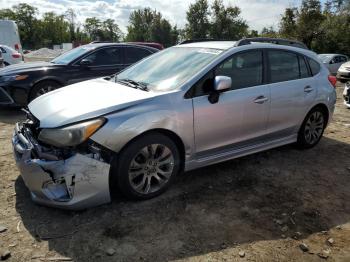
<point x="235" y="153"/>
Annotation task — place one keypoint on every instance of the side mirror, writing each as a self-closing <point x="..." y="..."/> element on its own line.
<point x="221" y="83"/>
<point x="85" y="62"/>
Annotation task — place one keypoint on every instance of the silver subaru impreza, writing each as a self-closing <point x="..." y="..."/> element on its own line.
<point x="186" y="107"/>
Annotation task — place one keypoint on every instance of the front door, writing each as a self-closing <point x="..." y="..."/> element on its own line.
<point x="103" y="62"/>
<point x="240" y="116"/>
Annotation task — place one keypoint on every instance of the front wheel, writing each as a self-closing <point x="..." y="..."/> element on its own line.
<point x="147" y="167"/>
<point x="312" y="128"/>
<point x="43" y="88"/>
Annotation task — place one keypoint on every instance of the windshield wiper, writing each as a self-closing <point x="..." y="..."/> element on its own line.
<point x="133" y="84"/>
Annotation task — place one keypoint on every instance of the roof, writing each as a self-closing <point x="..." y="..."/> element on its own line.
<point x="224" y="45"/>
<point x="95" y="45"/>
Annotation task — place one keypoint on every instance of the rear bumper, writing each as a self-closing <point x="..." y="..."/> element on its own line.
<point x="75" y="183"/>
<point x="345" y="76"/>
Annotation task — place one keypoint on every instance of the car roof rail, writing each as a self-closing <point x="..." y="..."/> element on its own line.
<point x="201" y="40"/>
<point x="271" y="40"/>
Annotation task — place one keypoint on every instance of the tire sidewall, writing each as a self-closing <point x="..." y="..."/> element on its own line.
<point x="121" y="172"/>
<point x="301" y="135"/>
<point x="40" y="85"/>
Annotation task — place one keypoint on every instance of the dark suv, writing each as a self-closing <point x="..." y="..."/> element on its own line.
<point x="20" y="84"/>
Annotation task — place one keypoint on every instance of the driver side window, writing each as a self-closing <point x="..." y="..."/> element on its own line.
<point x="245" y="70"/>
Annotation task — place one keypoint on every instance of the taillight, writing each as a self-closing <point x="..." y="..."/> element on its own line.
<point x="17" y="47"/>
<point x="16" y="55"/>
<point x="332" y="80"/>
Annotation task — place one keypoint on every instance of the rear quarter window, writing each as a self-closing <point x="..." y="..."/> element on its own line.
<point x="314" y="66"/>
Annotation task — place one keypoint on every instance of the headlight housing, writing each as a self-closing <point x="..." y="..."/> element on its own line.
<point x="71" y="135"/>
<point x="13" y="78"/>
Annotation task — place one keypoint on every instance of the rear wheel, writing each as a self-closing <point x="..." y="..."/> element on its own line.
<point x="312" y="128"/>
<point x="147" y="167"/>
<point x="42" y="88"/>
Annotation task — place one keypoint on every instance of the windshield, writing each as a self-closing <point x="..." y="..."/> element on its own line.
<point x="168" y="69"/>
<point x="325" y="58"/>
<point x="71" y="55"/>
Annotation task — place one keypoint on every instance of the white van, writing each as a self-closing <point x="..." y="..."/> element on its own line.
<point x="9" y="35"/>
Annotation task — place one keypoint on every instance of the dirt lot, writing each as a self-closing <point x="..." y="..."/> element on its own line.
<point x="264" y="206"/>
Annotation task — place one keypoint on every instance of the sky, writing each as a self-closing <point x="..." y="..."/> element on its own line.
<point x="257" y="13"/>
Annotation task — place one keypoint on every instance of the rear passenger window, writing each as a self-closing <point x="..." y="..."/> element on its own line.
<point x="284" y="66"/>
<point x="314" y="66"/>
<point x="134" y="54"/>
<point x="304" y="73"/>
<point x="245" y="69"/>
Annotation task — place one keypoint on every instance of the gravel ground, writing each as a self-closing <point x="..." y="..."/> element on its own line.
<point x="257" y="208"/>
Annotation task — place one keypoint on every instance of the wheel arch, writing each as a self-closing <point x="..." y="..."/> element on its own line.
<point x="324" y="108"/>
<point x="54" y="79"/>
<point x="170" y="134"/>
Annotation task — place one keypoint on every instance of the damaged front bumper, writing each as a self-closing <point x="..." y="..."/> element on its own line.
<point x="75" y="183"/>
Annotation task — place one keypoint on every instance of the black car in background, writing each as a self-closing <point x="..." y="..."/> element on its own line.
<point x="21" y="83"/>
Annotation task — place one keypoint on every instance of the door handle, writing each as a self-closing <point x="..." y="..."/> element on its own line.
<point x="260" y="100"/>
<point x="308" y="89"/>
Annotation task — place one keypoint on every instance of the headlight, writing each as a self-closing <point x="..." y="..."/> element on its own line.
<point x="71" y="135"/>
<point x="13" y="78"/>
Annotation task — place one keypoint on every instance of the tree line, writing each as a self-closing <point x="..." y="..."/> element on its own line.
<point x="322" y="27"/>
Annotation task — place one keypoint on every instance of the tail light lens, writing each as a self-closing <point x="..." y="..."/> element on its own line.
<point x="17" y="47"/>
<point x="332" y="80"/>
<point x="16" y="55"/>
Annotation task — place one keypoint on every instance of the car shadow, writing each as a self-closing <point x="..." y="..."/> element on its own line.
<point x="259" y="197"/>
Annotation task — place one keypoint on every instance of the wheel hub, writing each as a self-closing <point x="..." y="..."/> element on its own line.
<point x="151" y="168"/>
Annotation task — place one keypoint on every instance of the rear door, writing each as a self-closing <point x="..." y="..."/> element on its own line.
<point x="292" y="91"/>
<point x="104" y="62"/>
<point x="240" y="116"/>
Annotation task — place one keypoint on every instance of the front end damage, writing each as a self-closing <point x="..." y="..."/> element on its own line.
<point x="71" y="179"/>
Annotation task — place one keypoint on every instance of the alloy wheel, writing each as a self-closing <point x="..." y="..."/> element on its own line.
<point x="314" y="127"/>
<point x="44" y="90"/>
<point x="151" y="168"/>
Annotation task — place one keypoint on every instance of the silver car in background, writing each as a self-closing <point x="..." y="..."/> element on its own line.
<point x="183" y="108"/>
<point x="333" y="61"/>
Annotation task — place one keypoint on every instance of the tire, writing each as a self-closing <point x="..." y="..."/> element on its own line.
<point x="312" y="129"/>
<point x="42" y="88"/>
<point x="152" y="159"/>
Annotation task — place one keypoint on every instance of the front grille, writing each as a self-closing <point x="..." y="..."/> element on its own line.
<point x="4" y="97"/>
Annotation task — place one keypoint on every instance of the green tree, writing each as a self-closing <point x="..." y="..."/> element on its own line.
<point x="309" y="21"/>
<point x="269" y="32"/>
<point x="288" y="24"/>
<point x="226" y="22"/>
<point x="93" y="27"/>
<point x="7" y="14"/>
<point x="28" y="25"/>
<point x="149" y="26"/>
<point x="197" y="16"/>
<point x="55" y="29"/>
<point x="111" y="31"/>
<point x="139" y="23"/>
<point x="70" y="16"/>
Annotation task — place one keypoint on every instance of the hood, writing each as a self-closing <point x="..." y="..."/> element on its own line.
<point x="346" y="64"/>
<point x="24" y="67"/>
<point x="84" y="100"/>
